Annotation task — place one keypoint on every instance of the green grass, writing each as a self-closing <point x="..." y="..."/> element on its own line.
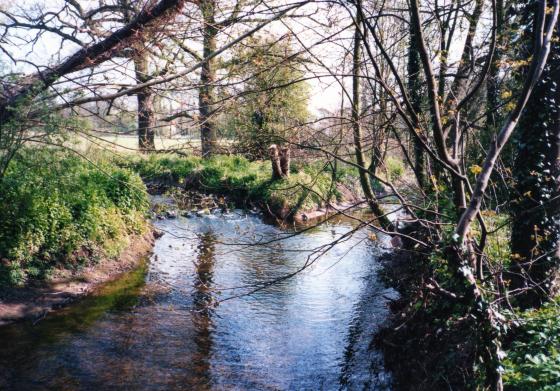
<point x="60" y="210"/>
<point x="308" y="186"/>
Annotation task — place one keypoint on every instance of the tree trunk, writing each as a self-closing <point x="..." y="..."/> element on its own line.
<point x="492" y="119"/>
<point x="379" y="127"/>
<point x="414" y="88"/>
<point x="357" y="130"/>
<point x="535" y="236"/>
<point x="285" y="161"/>
<point x="207" y="79"/>
<point x="145" y="98"/>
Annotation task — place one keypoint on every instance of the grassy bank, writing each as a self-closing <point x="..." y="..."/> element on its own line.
<point x="249" y="183"/>
<point x="58" y="210"/>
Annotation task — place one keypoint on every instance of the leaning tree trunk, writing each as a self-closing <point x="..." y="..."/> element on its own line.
<point x="535" y="237"/>
<point x="145" y="98"/>
<point x="357" y="130"/>
<point x="84" y="58"/>
<point x="207" y="79"/>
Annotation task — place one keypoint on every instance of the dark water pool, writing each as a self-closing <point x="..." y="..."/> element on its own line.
<point x="166" y="326"/>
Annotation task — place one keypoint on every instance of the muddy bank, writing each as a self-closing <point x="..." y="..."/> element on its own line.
<point x="41" y="297"/>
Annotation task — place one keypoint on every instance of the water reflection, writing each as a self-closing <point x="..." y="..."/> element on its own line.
<point x="310" y="332"/>
<point x="203" y="300"/>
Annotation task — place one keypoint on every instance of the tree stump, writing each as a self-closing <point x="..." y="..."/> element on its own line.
<point x="275" y="160"/>
<point x="285" y="161"/>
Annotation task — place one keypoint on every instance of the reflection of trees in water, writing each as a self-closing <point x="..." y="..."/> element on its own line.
<point x="203" y="309"/>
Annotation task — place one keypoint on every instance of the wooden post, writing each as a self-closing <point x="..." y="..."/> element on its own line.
<point x="285" y="161"/>
<point x="275" y="160"/>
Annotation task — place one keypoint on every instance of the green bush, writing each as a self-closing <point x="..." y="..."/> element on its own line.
<point x="53" y="203"/>
<point x="533" y="358"/>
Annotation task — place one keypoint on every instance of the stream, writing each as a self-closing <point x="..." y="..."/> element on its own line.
<point x="185" y="320"/>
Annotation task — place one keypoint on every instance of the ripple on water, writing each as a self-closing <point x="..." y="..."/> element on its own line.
<point x="309" y="332"/>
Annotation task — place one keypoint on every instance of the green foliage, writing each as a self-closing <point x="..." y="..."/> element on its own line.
<point x="394" y="168"/>
<point x="533" y="358"/>
<point x="56" y="205"/>
<point x="274" y="101"/>
<point x="308" y="187"/>
<point x="53" y="129"/>
<point x="160" y="166"/>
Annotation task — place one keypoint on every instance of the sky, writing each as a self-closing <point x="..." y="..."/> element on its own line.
<point x="326" y="91"/>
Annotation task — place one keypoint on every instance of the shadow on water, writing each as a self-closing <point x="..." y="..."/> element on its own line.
<point x="19" y="341"/>
<point x="160" y="328"/>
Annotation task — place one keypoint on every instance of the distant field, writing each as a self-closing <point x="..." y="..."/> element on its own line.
<point x="124" y="143"/>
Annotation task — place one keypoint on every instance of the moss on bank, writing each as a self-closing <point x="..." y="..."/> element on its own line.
<point x="61" y="210"/>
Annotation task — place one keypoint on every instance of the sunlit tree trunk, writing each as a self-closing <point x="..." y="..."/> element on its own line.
<point x="145" y="98"/>
<point x="207" y="80"/>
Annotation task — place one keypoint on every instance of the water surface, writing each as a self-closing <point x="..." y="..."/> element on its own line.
<point x="186" y="321"/>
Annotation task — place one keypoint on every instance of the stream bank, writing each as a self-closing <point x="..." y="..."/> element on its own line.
<point x="311" y="191"/>
<point x="428" y="343"/>
<point x="39" y="298"/>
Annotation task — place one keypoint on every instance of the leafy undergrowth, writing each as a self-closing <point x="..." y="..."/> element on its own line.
<point x="532" y="341"/>
<point x="60" y="210"/>
<point x="246" y="182"/>
<point x="533" y="354"/>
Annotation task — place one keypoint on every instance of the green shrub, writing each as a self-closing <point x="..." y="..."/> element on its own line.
<point x="533" y="358"/>
<point x="54" y="203"/>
